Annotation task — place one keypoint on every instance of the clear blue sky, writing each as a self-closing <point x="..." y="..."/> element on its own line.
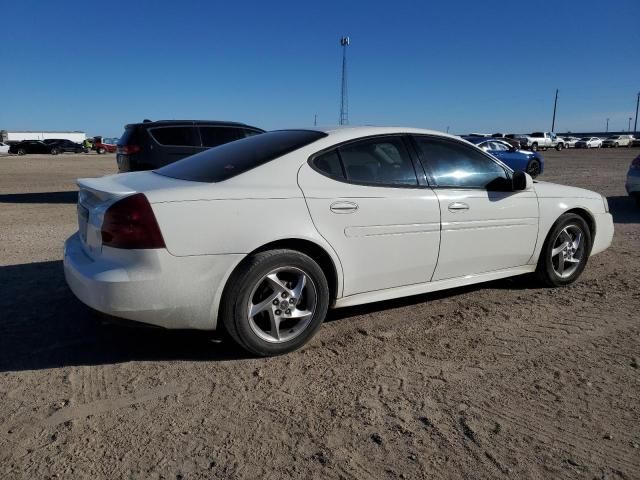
<point x="471" y="65"/>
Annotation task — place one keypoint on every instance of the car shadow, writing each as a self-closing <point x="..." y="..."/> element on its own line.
<point x="520" y="282"/>
<point x="624" y="209"/>
<point x="43" y="325"/>
<point x="40" y="197"/>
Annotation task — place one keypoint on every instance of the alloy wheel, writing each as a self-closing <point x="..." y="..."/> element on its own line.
<point x="567" y="251"/>
<point x="282" y="304"/>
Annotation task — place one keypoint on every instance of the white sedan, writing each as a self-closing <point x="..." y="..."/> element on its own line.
<point x="4" y="148"/>
<point x="589" y="142"/>
<point x="261" y="236"/>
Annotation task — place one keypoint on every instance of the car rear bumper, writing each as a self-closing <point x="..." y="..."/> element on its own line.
<point x="604" y="233"/>
<point x="150" y="286"/>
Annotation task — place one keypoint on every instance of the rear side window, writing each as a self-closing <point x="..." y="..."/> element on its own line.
<point x="225" y="161"/>
<point x="174" y="136"/>
<point x="330" y="164"/>
<point x="214" y="136"/>
<point x="452" y="164"/>
<point x="382" y="160"/>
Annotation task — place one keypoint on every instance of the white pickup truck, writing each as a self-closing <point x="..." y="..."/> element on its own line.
<point x="541" y="141"/>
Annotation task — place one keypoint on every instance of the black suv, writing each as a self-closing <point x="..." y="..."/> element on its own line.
<point x="149" y="145"/>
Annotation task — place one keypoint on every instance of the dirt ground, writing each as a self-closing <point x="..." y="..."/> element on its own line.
<point x="502" y="380"/>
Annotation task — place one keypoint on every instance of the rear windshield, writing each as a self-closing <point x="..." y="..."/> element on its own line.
<point x="128" y="137"/>
<point x="220" y="163"/>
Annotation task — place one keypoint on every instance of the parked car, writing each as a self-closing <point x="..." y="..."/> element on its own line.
<point x="4" y="148"/>
<point x="633" y="180"/>
<point x="542" y="141"/>
<point x="616" y="141"/>
<point x="105" y="145"/>
<point x="61" y="145"/>
<point x="149" y="145"/>
<point x="512" y="141"/>
<point x="589" y="142"/>
<point x="530" y="162"/>
<point x="570" y="142"/>
<point x="33" y="146"/>
<point x="262" y="235"/>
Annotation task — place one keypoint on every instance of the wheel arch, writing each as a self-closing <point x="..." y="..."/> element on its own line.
<point x="587" y="217"/>
<point x="331" y="268"/>
<point x="318" y="253"/>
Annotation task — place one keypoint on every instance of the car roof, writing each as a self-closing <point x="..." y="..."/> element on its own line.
<point x="196" y="122"/>
<point x="346" y="133"/>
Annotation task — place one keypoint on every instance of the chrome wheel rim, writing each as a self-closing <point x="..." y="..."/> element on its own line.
<point x="282" y="304"/>
<point x="568" y="251"/>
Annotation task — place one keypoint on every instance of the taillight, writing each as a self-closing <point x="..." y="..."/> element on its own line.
<point x="636" y="162"/>
<point x="130" y="223"/>
<point x="128" y="149"/>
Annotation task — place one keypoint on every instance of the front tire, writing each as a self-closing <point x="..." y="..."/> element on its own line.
<point x="565" y="251"/>
<point x="533" y="168"/>
<point x="559" y="147"/>
<point x="54" y="151"/>
<point x="534" y="147"/>
<point x="101" y="151"/>
<point x="275" y="302"/>
<point x="21" y="151"/>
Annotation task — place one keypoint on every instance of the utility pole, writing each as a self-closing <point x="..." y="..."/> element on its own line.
<point x="555" y="105"/>
<point x="629" y="129"/>
<point x="315" y="120"/>
<point x="607" y="130"/>
<point x="635" y="125"/>
<point x="344" y="103"/>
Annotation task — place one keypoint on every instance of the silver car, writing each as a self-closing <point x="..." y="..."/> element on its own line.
<point x="633" y="180"/>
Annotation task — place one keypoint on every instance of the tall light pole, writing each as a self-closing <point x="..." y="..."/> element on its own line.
<point x="635" y="125"/>
<point x="607" y="130"/>
<point x="344" y="102"/>
<point x="555" y="105"/>
<point x="629" y="129"/>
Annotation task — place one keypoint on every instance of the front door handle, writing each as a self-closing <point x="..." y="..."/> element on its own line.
<point x="458" y="206"/>
<point x="343" y="207"/>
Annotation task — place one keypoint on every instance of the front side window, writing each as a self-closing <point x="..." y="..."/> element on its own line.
<point x="452" y="164"/>
<point x="383" y="161"/>
<point x="174" y="136"/>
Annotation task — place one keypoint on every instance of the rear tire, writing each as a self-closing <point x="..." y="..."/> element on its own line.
<point x="101" y="151"/>
<point x="569" y="261"/>
<point x="261" y="285"/>
<point x="54" y="151"/>
<point x="21" y="151"/>
<point x="534" y="147"/>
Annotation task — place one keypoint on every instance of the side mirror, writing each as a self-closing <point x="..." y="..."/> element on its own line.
<point x="521" y="181"/>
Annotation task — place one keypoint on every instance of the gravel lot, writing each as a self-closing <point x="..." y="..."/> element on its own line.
<point x="502" y="380"/>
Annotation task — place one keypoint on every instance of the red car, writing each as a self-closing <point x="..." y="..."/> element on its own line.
<point x="104" y="145"/>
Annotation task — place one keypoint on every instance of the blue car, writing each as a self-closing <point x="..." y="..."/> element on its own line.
<point x="530" y="162"/>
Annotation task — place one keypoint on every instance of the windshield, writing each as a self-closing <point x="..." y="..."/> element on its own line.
<point x="220" y="163"/>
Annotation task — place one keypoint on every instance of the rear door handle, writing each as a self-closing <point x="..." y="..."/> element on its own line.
<point x="343" y="207"/>
<point x="458" y="206"/>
